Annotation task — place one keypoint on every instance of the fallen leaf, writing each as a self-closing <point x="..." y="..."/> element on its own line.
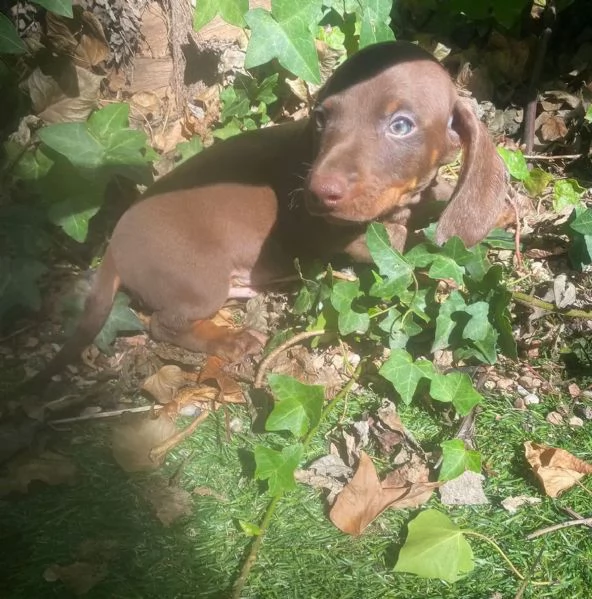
<point x="48" y="467"/>
<point x="513" y="504"/>
<point x="167" y="502"/>
<point x="79" y="577"/>
<point x="213" y="371"/>
<point x="134" y="437"/>
<point x="328" y="472"/>
<point x="556" y="469"/>
<point x="553" y="128"/>
<point x="164" y="384"/>
<point x="364" y="498"/>
<point x="466" y="489"/>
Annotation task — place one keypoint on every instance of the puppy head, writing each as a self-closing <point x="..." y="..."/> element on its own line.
<point x="384" y="122"/>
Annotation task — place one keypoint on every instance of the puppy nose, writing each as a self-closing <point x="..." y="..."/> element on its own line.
<point x="330" y="188"/>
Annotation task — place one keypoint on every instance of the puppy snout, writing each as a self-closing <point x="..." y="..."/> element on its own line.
<point x="329" y="189"/>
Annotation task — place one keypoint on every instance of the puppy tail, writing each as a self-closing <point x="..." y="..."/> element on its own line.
<point x="96" y="311"/>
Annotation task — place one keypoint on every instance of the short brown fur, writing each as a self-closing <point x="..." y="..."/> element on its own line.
<point x="231" y="220"/>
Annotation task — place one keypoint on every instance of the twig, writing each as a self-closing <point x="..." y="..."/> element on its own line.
<point x="110" y="414"/>
<point x="17" y="332"/>
<point x="560" y="526"/>
<point x="512" y="201"/>
<point x="532" y="94"/>
<point x="157" y="453"/>
<point x="266" y="363"/>
<point x="535" y="302"/>
<point x="541" y="158"/>
<point x="522" y="587"/>
<point x="575" y="515"/>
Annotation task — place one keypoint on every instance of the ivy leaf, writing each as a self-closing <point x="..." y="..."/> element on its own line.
<point x="566" y="192"/>
<point x="582" y="223"/>
<point x="277" y="467"/>
<point x="250" y="529"/>
<point x="10" y="42"/>
<point x="375" y="19"/>
<point x="74" y="141"/>
<point x="487" y="347"/>
<point x="121" y="319"/>
<point x="444" y="267"/>
<point x="456" y="458"/>
<point x="299" y="406"/>
<point x="349" y="322"/>
<point x="478" y="325"/>
<point x="343" y="293"/>
<point x="455" y="248"/>
<point x="435" y="548"/>
<point x="501" y="317"/>
<point x="404" y="374"/>
<point x="420" y="256"/>
<point x="537" y="182"/>
<point x="285" y="33"/>
<point x="73" y="215"/>
<point x="232" y="11"/>
<point x="515" y="163"/>
<point x="455" y="388"/>
<point x="59" y="7"/>
<point x="389" y="261"/>
<point x="106" y="121"/>
<point x="187" y="149"/>
<point x="444" y="323"/>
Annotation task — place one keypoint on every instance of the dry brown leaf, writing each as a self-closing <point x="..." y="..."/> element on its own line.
<point x="556" y="469"/>
<point x="168" y="502"/>
<point x="81" y="37"/>
<point x="70" y="99"/>
<point x="213" y="371"/>
<point x="48" y="467"/>
<point x="79" y="577"/>
<point x="364" y="498"/>
<point x="553" y="128"/>
<point x="164" y="384"/>
<point x="134" y="437"/>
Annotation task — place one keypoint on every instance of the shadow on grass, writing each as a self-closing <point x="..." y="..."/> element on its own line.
<point x="147" y="560"/>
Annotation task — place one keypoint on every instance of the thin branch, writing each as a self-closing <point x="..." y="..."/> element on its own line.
<point x="110" y="414"/>
<point x="545" y="158"/>
<point x="268" y="361"/>
<point x="535" y="302"/>
<point x="560" y="526"/>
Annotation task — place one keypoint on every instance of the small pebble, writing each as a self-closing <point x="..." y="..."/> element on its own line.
<point x="522" y="391"/>
<point x="531" y="399"/>
<point x="489" y="385"/>
<point x="505" y="384"/>
<point x="575" y="421"/>
<point x="554" y="418"/>
<point x="520" y="404"/>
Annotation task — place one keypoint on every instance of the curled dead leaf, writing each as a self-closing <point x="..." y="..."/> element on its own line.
<point x="168" y="502"/>
<point x="79" y="577"/>
<point x="134" y="438"/>
<point x="164" y="384"/>
<point x="48" y="467"/>
<point x="364" y="498"/>
<point x="556" y="469"/>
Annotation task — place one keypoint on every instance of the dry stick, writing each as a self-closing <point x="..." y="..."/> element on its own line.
<point x="158" y="452"/>
<point x="266" y="363"/>
<point x="527" y="578"/>
<point x="512" y="201"/>
<point x="544" y="531"/>
<point x="110" y="414"/>
<point x="541" y="158"/>
<point x="535" y="302"/>
<point x="271" y="507"/>
<point x="531" y="104"/>
<point x="575" y="515"/>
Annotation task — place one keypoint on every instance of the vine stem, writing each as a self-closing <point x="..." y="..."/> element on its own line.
<point x="531" y="301"/>
<point x="504" y="556"/>
<point x="272" y="505"/>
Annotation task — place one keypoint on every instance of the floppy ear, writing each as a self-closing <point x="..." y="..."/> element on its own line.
<point x="479" y="197"/>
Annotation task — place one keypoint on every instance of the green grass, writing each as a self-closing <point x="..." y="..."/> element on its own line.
<point x="303" y="555"/>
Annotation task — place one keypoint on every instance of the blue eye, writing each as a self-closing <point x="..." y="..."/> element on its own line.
<point x="401" y="126"/>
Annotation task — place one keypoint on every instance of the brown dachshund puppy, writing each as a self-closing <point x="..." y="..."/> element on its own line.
<point x="232" y="219"/>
